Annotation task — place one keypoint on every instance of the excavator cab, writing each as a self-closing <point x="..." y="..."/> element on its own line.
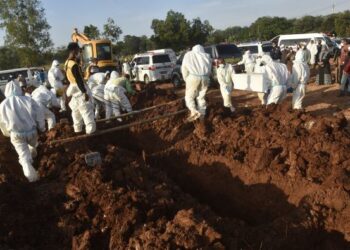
<point x="100" y="49"/>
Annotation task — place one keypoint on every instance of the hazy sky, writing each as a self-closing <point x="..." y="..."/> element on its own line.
<point x="135" y="16"/>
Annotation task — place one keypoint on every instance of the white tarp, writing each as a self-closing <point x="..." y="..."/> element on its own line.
<point x="254" y="82"/>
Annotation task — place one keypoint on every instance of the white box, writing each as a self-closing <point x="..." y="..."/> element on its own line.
<point x="254" y="82"/>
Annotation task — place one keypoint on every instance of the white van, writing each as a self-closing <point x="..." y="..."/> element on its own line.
<point x="256" y="48"/>
<point x="170" y="52"/>
<point x="152" y="67"/>
<point x="294" y="39"/>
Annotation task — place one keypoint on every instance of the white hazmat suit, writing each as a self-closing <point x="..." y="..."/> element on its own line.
<point x="20" y="117"/>
<point x="196" y="68"/>
<point x="96" y="84"/>
<point x="277" y="75"/>
<point x="46" y="99"/>
<point x="261" y="69"/>
<point x="55" y="78"/>
<point x="115" y="97"/>
<point x="248" y="61"/>
<point x="312" y="47"/>
<point x="224" y="74"/>
<point x="298" y="80"/>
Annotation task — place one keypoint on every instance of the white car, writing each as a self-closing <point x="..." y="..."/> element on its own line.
<point x="256" y="48"/>
<point x="152" y="67"/>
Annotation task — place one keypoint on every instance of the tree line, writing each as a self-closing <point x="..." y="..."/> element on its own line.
<point x="28" y="43"/>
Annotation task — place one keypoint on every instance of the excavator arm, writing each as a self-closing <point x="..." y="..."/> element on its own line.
<point x="79" y="37"/>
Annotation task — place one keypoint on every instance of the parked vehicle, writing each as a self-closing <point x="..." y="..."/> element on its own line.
<point x="8" y="75"/>
<point x="170" y="52"/>
<point x="294" y="39"/>
<point x="256" y="48"/>
<point x="152" y="67"/>
<point x="229" y="52"/>
<point x="176" y="76"/>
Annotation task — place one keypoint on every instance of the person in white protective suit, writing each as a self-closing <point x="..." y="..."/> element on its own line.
<point x="55" y="78"/>
<point x="114" y="94"/>
<point x="46" y="100"/>
<point x="196" y="69"/>
<point x="298" y="80"/>
<point x="96" y="84"/>
<point x="81" y="102"/>
<point x="248" y="61"/>
<point x="312" y="47"/>
<point x="277" y="75"/>
<point x="224" y="74"/>
<point x="126" y="67"/>
<point x="20" y="118"/>
<point x="261" y="69"/>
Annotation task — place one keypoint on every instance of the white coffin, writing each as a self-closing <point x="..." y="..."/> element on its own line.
<point x="254" y="82"/>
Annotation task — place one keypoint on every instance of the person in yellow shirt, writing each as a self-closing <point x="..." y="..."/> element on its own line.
<point x="81" y="102"/>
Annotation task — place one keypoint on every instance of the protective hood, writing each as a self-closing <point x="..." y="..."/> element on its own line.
<point x="12" y="89"/>
<point x="114" y="75"/>
<point x="55" y="64"/>
<point x="266" y="59"/>
<point x="198" y="49"/>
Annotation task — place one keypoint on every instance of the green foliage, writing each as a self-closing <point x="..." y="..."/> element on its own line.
<point x="178" y="33"/>
<point x="26" y="29"/>
<point x="111" y="30"/>
<point x="92" y="32"/>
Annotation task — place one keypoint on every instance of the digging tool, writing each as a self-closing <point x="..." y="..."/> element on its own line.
<point x="126" y="126"/>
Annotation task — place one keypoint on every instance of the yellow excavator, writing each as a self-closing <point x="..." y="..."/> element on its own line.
<point x="99" y="49"/>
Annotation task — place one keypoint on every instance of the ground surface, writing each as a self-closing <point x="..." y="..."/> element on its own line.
<point x="261" y="179"/>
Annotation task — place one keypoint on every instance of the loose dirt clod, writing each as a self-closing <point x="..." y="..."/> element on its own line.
<point x="260" y="179"/>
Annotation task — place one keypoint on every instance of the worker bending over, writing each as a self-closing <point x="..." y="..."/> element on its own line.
<point x="96" y="84"/>
<point x="298" y="80"/>
<point x="196" y="69"/>
<point x="46" y="100"/>
<point x="56" y="77"/>
<point x="81" y="103"/>
<point x="224" y="74"/>
<point x="277" y="75"/>
<point x="114" y="94"/>
<point x="20" y="119"/>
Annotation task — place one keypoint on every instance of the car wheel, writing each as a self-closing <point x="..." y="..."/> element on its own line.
<point x="146" y="79"/>
<point x="176" y="81"/>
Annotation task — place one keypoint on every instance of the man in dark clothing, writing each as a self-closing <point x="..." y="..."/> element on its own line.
<point x="275" y="52"/>
<point x="81" y="102"/>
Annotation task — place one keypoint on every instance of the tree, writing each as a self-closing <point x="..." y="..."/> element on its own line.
<point x="307" y="24"/>
<point x="9" y="58"/>
<point x="342" y="24"/>
<point x="173" y="32"/>
<point x="92" y="32"/>
<point x="200" y="31"/>
<point x="26" y="28"/>
<point x="111" y="30"/>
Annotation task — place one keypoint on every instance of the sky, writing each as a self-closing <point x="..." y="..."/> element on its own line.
<point x="135" y="16"/>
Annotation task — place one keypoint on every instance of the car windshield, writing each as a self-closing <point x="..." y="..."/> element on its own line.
<point x="104" y="51"/>
<point x="329" y="42"/>
<point x="227" y="50"/>
<point x="161" y="59"/>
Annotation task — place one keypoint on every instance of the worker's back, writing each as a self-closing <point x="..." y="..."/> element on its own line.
<point x="196" y="62"/>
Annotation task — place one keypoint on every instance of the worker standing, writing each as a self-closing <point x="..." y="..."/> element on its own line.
<point x="56" y="77"/>
<point x="126" y="67"/>
<point x="261" y="69"/>
<point x="196" y="69"/>
<point x="248" y="61"/>
<point x="20" y="118"/>
<point x="298" y="80"/>
<point x="275" y="52"/>
<point x="277" y="75"/>
<point x="46" y="100"/>
<point x="81" y="102"/>
<point x="224" y="73"/>
<point x="114" y="94"/>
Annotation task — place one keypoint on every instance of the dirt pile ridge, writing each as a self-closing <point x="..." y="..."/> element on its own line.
<point x="260" y="179"/>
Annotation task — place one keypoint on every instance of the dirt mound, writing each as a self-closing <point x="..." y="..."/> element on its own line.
<point x="263" y="178"/>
